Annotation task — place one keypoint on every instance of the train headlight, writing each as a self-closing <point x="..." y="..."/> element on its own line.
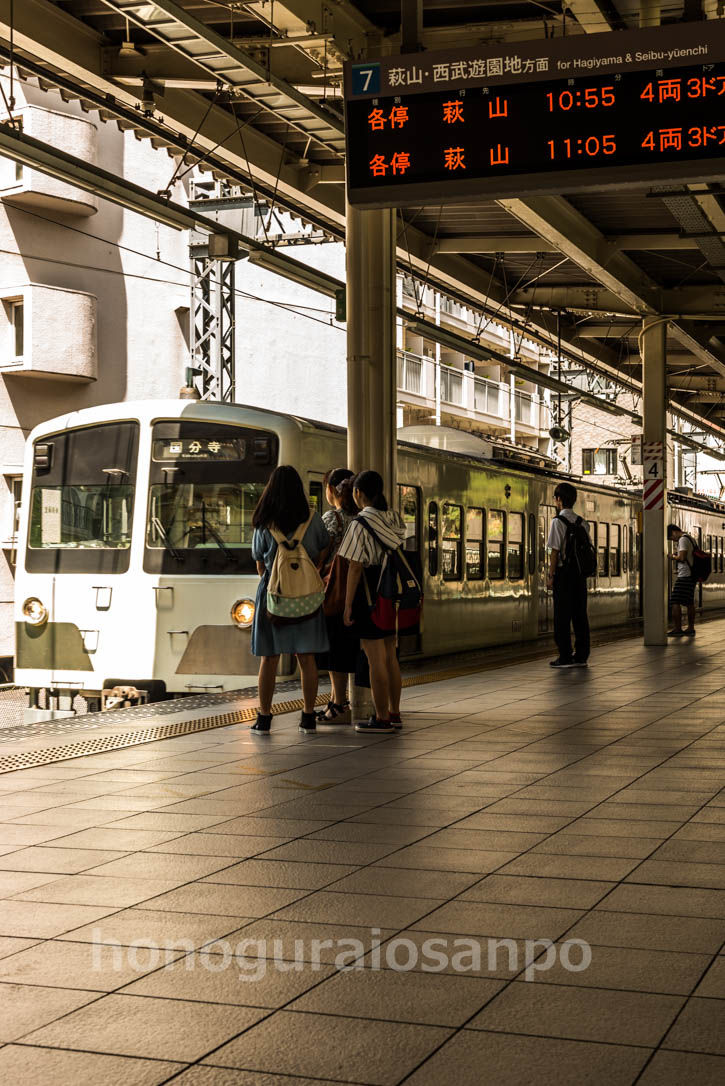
<point x="243" y="613"/>
<point x="34" y="611"/>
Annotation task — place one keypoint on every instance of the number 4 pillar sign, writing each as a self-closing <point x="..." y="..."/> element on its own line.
<point x="653" y="496"/>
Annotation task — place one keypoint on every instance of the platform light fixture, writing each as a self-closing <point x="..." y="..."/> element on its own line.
<point x="295" y="271"/>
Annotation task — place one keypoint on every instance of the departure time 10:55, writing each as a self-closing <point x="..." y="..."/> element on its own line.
<point x="590" y="146"/>
<point x="591" y="98"/>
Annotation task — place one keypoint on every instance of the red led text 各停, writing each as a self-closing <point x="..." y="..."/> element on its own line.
<point x="398" y="164"/>
<point x="378" y="120"/>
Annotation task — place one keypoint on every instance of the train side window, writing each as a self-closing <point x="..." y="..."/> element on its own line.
<point x="316" y="497"/>
<point x="496" y="530"/>
<point x="594" y="536"/>
<point x="708" y="545"/>
<point x="722" y="554"/>
<point x="625" y="548"/>
<point x="603" y="550"/>
<point x="409" y="506"/>
<point x="532" y="544"/>
<point x="516" y="546"/>
<point x="474" y="544"/>
<point x="433" y="539"/>
<point x="615" y="550"/>
<point x="452" y="541"/>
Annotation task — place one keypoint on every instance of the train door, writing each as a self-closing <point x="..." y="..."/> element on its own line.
<point x="546" y="604"/>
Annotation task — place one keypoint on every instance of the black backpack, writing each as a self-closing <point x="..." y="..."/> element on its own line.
<point x="396" y="601"/>
<point x="701" y="565"/>
<point x="579" y="554"/>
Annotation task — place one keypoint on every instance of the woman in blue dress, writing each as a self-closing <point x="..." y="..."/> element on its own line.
<point x="284" y="507"/>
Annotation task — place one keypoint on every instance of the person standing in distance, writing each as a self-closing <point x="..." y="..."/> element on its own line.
<point x="568" y="583"/>
<point x="683" y="590"/>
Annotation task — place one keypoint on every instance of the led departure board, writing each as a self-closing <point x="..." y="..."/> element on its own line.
<point x="634" y="107"/>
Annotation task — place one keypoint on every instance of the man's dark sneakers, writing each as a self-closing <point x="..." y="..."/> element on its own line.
<point x="262" y="725"/>
<point x="375" y="726"/>
<point x="562" y="663"/>
<point x="675" y="633"/>
<point x="689" y="632"/>
<point x="580" y="663"/>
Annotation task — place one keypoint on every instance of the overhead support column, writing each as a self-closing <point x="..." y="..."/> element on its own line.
<point x="371" y="354"/>
<point x="654" y="437"/>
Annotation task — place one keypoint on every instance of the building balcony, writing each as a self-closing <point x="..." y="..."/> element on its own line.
<point x="48" y="332"/>
<point x="465" y="395"/>
<point x="26" y="187"/>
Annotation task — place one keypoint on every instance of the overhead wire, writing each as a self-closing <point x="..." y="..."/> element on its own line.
<point x="295" y="307"/>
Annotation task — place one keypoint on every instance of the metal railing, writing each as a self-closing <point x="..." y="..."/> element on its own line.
<point x="466" y="390"/>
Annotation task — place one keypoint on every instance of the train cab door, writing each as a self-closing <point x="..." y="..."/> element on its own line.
<point x="546" y="600"/>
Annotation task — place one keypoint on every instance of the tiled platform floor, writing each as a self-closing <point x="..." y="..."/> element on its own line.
<point x="518" y="803"/>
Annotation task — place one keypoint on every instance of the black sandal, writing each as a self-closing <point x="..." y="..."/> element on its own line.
<point x="332" y="711"/>
<point x="262" y="725"/>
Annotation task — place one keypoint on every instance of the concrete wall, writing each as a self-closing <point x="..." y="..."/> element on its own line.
<point x="291" y="359"/>
<point x="137" y="272"/>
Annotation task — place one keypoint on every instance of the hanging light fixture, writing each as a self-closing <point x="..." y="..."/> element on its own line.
<point x="128" y="49"/>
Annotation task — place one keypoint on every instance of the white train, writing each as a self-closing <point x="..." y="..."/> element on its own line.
<point x="135" y="565"/>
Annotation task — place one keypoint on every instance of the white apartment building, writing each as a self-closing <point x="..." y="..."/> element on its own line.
<point x="95" y="299"/>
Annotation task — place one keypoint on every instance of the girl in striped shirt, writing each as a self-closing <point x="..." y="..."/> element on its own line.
<point x="365" y="554"/>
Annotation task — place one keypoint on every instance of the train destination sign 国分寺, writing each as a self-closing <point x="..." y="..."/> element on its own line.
<point x="551" y="115"/>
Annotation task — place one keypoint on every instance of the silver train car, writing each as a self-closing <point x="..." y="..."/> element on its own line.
<point x="134" y="558"/>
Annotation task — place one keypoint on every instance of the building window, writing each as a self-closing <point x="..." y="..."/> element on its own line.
<point x="599" y="461"/>
<point x="17" y="323"/>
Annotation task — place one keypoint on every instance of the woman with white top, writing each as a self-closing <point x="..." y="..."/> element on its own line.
<point x="365" y="551"/>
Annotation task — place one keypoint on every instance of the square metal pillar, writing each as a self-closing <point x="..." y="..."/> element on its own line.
<point x="654" y="543"/>
<point x="371" y="344"/>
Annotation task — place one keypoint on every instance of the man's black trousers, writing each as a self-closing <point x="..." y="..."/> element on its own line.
<point x="570" y="609"/>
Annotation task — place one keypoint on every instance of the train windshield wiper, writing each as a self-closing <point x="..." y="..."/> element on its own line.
<point x="161" y="532"/>
<point x="207" y="526"/>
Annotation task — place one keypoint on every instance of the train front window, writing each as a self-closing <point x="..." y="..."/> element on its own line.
<point x="81" y="504"/>
<point x="205" y="481"/>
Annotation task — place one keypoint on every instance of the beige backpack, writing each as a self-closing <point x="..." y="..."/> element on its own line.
<point x="295" y="591"/>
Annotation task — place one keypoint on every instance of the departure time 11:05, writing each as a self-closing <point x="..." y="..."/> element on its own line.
<point x="590" y="146"/>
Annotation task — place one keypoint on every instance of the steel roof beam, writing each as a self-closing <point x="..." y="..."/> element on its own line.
<point x="231" y="66"/>
<point x="699" y="302"/>
<point x="554" y="219"/>
<point x="530" y="243"/>
<point x="352" y="32"/>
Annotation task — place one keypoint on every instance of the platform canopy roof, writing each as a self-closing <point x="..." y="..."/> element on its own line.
<point x="253" y="91"/>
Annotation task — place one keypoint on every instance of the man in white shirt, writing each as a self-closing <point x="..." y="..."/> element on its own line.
<point x="570" y="587"/>
<point x="683" y="590"/>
